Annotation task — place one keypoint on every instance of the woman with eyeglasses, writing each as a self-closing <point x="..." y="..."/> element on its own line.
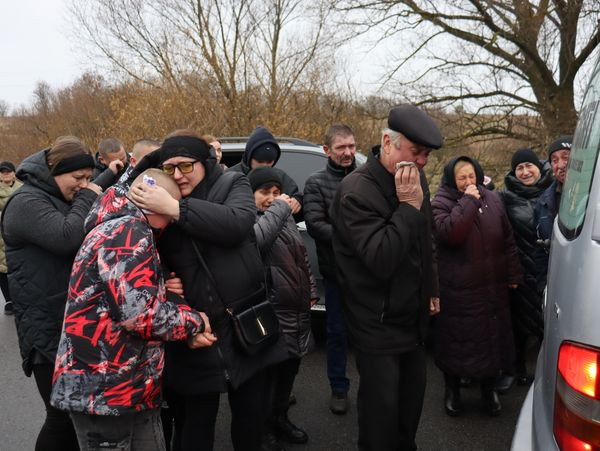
<point x="43" y="228"/>
<point x="215" y="219"/>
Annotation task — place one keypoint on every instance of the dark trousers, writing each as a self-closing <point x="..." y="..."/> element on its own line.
<point x="4" y="286"/>
<point x="281" y="382"/>
<point x="390" y="399"/>
<point x="196" y="416"/>
<point x="337" y="345"/>
<point x="57" y="433"/>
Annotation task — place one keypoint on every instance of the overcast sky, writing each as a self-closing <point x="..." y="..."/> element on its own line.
<point x="34" y="49"/>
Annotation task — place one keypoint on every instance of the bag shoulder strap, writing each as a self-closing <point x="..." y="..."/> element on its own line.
<point x="209" y="275"/>
<point x="212" y="279"/>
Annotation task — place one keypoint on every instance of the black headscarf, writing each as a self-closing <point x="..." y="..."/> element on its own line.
<point x="449" y="179"/>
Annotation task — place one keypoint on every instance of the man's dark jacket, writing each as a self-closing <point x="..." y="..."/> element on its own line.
<point x="384" y="261"/>
<point x="42" y="233"/>
<point x="545" y="211"/>
<point x="319" y="190"/>
<point x="219" y="216"/>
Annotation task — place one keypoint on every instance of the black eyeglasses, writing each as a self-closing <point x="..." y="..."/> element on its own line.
<point x="185" y="167"/>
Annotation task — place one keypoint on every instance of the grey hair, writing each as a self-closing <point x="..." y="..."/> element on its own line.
<point x="395" y="137"/>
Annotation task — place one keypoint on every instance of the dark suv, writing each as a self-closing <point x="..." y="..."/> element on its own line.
<point x="299" y="159"/>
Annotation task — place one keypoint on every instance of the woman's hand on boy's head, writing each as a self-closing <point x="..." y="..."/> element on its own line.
<point x="155" y="199"/>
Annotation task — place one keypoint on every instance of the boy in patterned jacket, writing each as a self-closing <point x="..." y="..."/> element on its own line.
<point x="110" y="358"/>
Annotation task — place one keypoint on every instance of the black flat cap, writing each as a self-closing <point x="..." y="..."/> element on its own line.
<point x="416" y="125"/>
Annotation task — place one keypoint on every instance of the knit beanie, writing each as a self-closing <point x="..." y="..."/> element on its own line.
<point x="264" y="176"/>
<point x="524" y="156"/>
<point x="563" y="142"/>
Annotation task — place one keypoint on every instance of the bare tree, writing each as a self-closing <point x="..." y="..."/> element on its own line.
<point x="239" y="46"/>
<point x="489" y="59"/>
<point x="4" y="108"/>
<point x="291" y="45"/>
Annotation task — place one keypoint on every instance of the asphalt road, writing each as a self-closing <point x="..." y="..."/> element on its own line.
<point x="21" y="409"/>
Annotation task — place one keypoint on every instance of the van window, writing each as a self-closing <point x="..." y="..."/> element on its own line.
<point x="582" y="162"/>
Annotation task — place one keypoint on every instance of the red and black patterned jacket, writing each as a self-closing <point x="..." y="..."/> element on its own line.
<point x="110" y="357"/>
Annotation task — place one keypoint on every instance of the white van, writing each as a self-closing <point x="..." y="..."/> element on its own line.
<point x="562" y="408"/>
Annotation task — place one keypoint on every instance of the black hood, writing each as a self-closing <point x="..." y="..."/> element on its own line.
<point x="34" y="171"/>
<point x="259" y="136"/>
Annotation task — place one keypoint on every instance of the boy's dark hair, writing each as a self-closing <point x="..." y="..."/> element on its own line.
<point x="109" y="145"/>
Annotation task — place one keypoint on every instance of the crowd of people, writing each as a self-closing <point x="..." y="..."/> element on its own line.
<point x="147" y="284"/>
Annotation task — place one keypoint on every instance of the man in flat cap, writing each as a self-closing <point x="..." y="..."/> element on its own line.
<point x="546" y="208"/>
<point x="383" y="250"/>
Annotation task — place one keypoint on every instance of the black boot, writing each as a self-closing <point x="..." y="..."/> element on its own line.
<point x="489" y="397"/>
<point x="521" y="371"/>
<point x="288" y="431"/>
<point x="503" y="383"/>
<point x="270" y="443"/>
<point x="452" y="402"/>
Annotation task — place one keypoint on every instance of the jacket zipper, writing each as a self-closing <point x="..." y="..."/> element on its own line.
<point x="227" y="378"/>
<point x="384" y="305"/>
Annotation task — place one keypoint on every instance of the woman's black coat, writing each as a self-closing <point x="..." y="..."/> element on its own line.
<point x="477" y="260"/>
<point x="42" y="232"/>
<point x="520" y="200"/>
<point x="219" y="216"/>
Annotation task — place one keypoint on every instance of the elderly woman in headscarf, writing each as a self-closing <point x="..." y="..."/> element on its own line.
<point x="477" y="263"/>
<point x="523" y="185"/>
<point x="214" y="221"/>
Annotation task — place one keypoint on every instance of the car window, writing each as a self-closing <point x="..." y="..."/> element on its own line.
<point x="582" y="162"/>
<point x="299" y="165"/>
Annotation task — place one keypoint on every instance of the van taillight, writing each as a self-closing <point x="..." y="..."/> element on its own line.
<point x="577" y="398"/>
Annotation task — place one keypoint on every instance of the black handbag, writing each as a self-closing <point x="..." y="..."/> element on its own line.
<point x="254" y="321"/>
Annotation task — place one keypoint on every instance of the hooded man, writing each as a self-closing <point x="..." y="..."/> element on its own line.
<point x="262" y="149"/>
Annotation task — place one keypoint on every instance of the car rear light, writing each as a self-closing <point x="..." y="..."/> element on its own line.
<point x="577" y="398"/>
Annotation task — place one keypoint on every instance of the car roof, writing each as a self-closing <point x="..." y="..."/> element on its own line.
<point x="238" y="143"/>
